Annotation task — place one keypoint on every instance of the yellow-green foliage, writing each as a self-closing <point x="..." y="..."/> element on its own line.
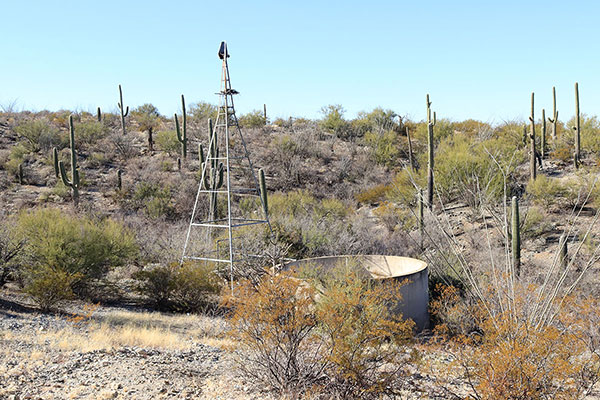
<point x="38" y="135"/>
<point x="17" y="155"/>
<point x="301" y="202"/>
<point x="76" y="245"/>
<point x="167" y="141"/>
<point x="372" y="195"/>
<point x="404" y="187"/>
<point x="154" y="199"/>
<point x="547" y="192"/>
<point x="465" y="168"/>
<point x="90" y="132"/>
<point x="49" y="286"/>
<point x="535" y="223"/>
<point x="384" y="146"/>
<point x="254" y="119"/>
<point x="186" y="288"/>
<point x="590" y="133"/>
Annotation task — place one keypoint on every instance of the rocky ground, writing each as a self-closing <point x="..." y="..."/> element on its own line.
<point x="113" y="353"/>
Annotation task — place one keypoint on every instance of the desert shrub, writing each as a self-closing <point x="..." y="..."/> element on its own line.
<point x="186" y="288"/>
<point x="393" y="216"/>
<point x="273" y="323"/>
<point x="18" y="154"/>
<point x="344" y="344"/>
<point x="535" y="223"/>
<point x="49" y="286"/>
<point x="39" y="135"/>
<point x="516" y="357"/>
<point x="404" y="187"/>
<point x="548" y="192"/>
<point x="201" y="111"/>
<point x="590" y="130"/>
<point x="443" y="128"/>
<point x="333" y="122"/>
<point x="469" y="169"/>
<point x="372" y="195"/>
<point x="167" y="141"/>
<point x="154" y="199"/>
<point x="78" y="246"/>
<point x="254" y="119"/>
<point x="384" y="146"/>
<point x="11" y="247"/>
<point x="90" y="132"/>
<point x="362" y="336"/>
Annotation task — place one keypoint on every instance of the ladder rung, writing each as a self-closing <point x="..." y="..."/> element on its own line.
<point x="207" y="259"/>
<point x="209" y="225"/>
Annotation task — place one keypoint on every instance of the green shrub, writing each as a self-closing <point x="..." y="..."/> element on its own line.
<point x="404" y="187"/>
<point x="548" y="192"/>
<point x="200" y="112"/>
<point x="254" y="119"/>
<point x="39" y="135"/>
<point x="49" y="286"/>
<point x="167" y="141"/>
<point x="384" y="146"/>
<point x="373" y="195"/>
<point x="154" y="199"/>
<point x="79" y="246"/>
<point x="90" y="132"/>
<point x="186" y="288"/>
<point x="17" y="155"/>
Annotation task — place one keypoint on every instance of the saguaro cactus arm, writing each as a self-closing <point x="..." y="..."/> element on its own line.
<point x="182" y="133"/>
<point x="123" y="114"/>
<point x="263" y="191"/>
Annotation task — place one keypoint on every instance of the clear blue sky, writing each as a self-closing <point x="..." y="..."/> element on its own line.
<point x="477" y="59"/>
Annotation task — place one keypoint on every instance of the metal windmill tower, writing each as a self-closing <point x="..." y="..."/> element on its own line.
<point x="227" y="179"/>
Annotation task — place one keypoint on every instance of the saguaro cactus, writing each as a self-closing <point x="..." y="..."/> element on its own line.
<point x="119" y="180"/>
<point x="55" y="161"/>
<point x="20" y="174"/>
<point x="265" y="113"/>
<point x="99" y="114"/>
<point x="411" y="160"/>
<point x="263" y="191"/>
<point x="182" y="134"/>
<point x="554" y="119"/>
<point x="577" y="128"/>
<point x="516" y="236"/>
<point x="532" y="158"/>
<point x="213" y="171"/>
<point x="543" y="144"/>
<point x="420" y="216"/>
<point x="74" y="182"/>
<point x="430" y="124"/>
<point x="123" y="114"/>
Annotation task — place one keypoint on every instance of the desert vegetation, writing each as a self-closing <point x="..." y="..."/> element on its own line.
<point x="95" y="208"/>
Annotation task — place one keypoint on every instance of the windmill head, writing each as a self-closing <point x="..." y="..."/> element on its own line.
<point x="223" y="51"/>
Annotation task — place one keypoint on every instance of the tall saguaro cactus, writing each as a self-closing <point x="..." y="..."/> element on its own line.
<point x="543" y="144"/>
<point x="421" y="218"/>
<point x="577" y="128"/>
<point x="516" y="236"/>
<point x="74" y="182"/>
<point x="430" y="160"/>
<point x="123" y="113"/>
<point x="532" y="158"/>
<point x="563" y="253"/>
<point x="212" y="173"/>
<point x="411" y="160"/>
<point x="182" y="134"/>
<point x="554" y="119"/>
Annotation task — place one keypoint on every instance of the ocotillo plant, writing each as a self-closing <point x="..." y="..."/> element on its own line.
<point x="532" y="158"/>
<point x="123" y="114"/>
<point x="577" y="128"/>
<point x="263" y="192"/>
<point x="516" y="237"/>
<point x="74" y="183"/>
<point x="430" y="125"/>
<point x="554" y="119"/>
<point x="411" y="160"/>
<point x="99" y="114"/>
<point x="212" y="172"/>
<point x="543" y="144"/>
<point x="182" y="134"/>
